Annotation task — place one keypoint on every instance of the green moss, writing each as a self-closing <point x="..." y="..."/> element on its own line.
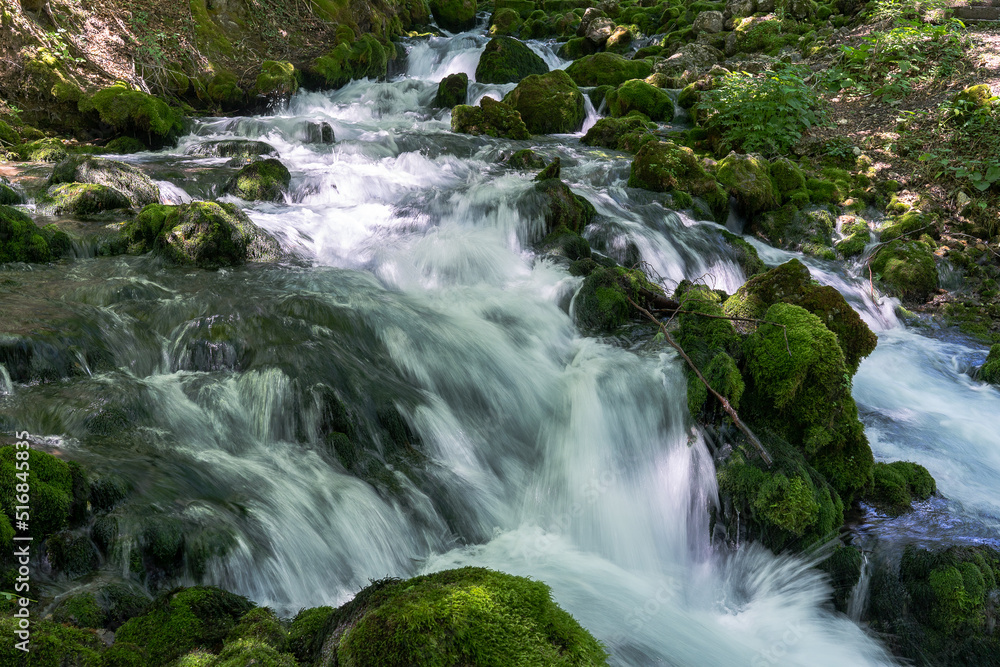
<point x="905" y="225"/>
<point x="8" y="195"/>
<point x="8" y="135"/>
<point x="264" y="180"/>
<point x="123" y="178"/>
<point x="611" y="132"/>
<point x="80" y="610"/>
<point x="507" y="60"/>
<point x="276" y="79"/>
<point x="906" y="269"/>
<point x="990" y="370"/>
<point x="758" y="33"/>
<point x="85" y="199"/>
<point x="125" y="146"/>
<point x="505" y="21"/>
<point x="562" y="208"/>
<point x="525" y="159"/>
<point x="823" y="192"/>
<point x="640" y="96"/>
<point x="51" y="645"/>
<point x="576" y="48"/>
<point x="42" y="150"/>
<point x="895" y="485"/>
<point x="788" y="227"/>
<point x="307" y="633"/>
<point x="260" y="625"/>
<point x="365" y="57"/>
<point x="602" y="302"/>
<point x="22" y="241"/>
<point x="548" y="103"/>
<point x="747" y="177"/>
<point x="844" y="567"/>
<point x="51" y="490"/>
<point x="491" y="118"/>
<point x="746" y="255"/>
<point x="787" y="178"/>
<point x="454" y="15"/>
<point x="452" y="91"/>
<point x="466" y="616"/>
<point x="664" y="166"/>
<point x="855" y="244"/>
<point x="607" y="69"/>
<point x="136" y="114"/>
<point x="252" y="652"/>
<point x="225" y="91"/>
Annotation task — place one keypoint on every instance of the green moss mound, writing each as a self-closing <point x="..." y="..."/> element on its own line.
<point x="906" y="269"/>
<point x="896" y="485"/>
<point x="561" y="206"/>
<point x="663" y="166"/>
<point x="746" y="255"/>
<point x="136" y="114"/>
<point x="8" y="135"/>
<point x="182" y="620"/>
<point x="748" y="178"/>
<point x="52" y="645"/>
<point x="8" y="195"/>
<point x="616" y="133"/>
<point x="507" y="60"/>
<point x="277" y="79"/>
<point x="640" y="96"/>
<point x="607" y="69"/>
<point x="225" y="91"/>
<point x="459" y="617"/>
<point x="265" y="180"/>
<point x="990" y="370"/>
<point x="52" y="497"/>
<point x="364" y="57"/>
<point x="844" y="567"/>
<point x="205" y="234"/>
<point x="525" y="159"/>
<point x="41" y="150"/>
<point x="452" y="91"/>
<point x="85" y="199"/>
<point x="22" y="241"/>
<point x="125" y="146"/>
<point x="138" y="189"/>
<point x="454" y="15"/>
<point x="491" y="118"/>
<point x="603" y="300"/>
<point x="548" y="103"/>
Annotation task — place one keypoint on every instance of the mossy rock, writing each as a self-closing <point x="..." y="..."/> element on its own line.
<point x="125" y="146"/>
<point x="607" y="69"/>
<point x="990" y="370"/>
<point x="548" y="103"/>
<point x="748" y="179"/>
<point x="260" y="625"/>
<point x="246" y="652"/>
<point x="204" y="234"/>
<point x="277" y="80"/>
<point x="306" y="633"/>
<point x="181" y="620"/>
<point x="576" y="48"/>
<point x="365" y="57"/>
<point x="22" y="241"/>
<point x="225" y="91"/>
<point x="265" y="180"/>
<point x="896" y="485"/>
<point x="42" y="150"/>
<point x="906" y="269"/>
<point x="244" y="149"/>
<point x="640" y="96"/>
<point x="505" y="21"/>
<point x="8" y="195"/>
<point x="134" y="185"/>
<point x="491" y="118"/>
<point x="560" y="206"/>
<point x="507" y="60"/>
<point x="136" y="114"/>
<point x="456" y="617"/>
<point x="787" y="178"/>
<point x="794" y="229"/>
<point x="526" y="159"/>
<point x="906" y="224"/>
<point x="663" y="166"/>
<point x="51" y="494"/>
<point x="603" y="300"/>
<point x="746" y="255"/>
<point x="756" y="33"/>
<point x="8" y="135"/>
<point x="51" y="645"/>
<point x="565" y="243"/>
<point x="71" y="553"/>
<point x="452" y="91"/>
<point x="612" y="132"/>
<point x="454" y="15"/>
<point x="844" y="566"/>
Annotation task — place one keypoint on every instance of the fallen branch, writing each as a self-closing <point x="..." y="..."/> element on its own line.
<point x="719" y="397"/>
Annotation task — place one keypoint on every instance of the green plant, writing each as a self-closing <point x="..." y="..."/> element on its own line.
<point x="767" y="113"/>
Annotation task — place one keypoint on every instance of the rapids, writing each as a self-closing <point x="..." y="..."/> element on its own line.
<point x="545" y="453"/>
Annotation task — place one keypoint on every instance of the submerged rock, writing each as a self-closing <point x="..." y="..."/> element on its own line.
<point x="548" y="103"/>
<point x="138" y="189"/>
<point x="265" y="180"/>
<point x="507" y="60"/>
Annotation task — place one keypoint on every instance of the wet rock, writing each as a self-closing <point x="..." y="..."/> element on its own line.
<point x="548" y="103"/>
<point x="454" y="15"/>
<point x="8" y="195"/>
<point x="551" y="171"/>
<point x="264" y="180"/>
<point x="84" y="199"/>
<point x="525" y="159"/>
<point x="640" y="96"/>
<point x="990" y="370"/>
<point x="599" y="30"/>
<point x="277" y="81"/>
<point x="507" y="60"/>
<point x="319" y="133"/>
<point x="452" y="91"/>
<point x="125" y="146"/>
<point x="607" y="69"/>
<point x="239" y="148"/>
<point x="618" y="134"/>
<point x="505" y="21"/>
<point x="748" y="179"/>
<point x="896" y="485"/>
<point x="906" y="269"/>
<point x="123" y="178"/>
<point x="491" y="118"/>
<point x="135" y="114"/>
<point x="561" y="207"/>
<point x="603" y="300"/>
<point x="663" y="166"/>
<point x="22" y="241"/>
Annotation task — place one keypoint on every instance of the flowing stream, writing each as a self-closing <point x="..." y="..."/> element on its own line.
<point x="419" y="303"/>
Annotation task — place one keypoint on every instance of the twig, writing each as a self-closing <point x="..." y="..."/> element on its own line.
<point x="731" y="318"/>
<point x="719" y="397"/>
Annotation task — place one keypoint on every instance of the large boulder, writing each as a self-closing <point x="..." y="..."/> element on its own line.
<point x="84" y="199"/>
<point x="507" y="60"/>
<point x="906" y="269"/>
<point x="663" y="166"/>
<point x="549" y="103"/>
<point x="636" y="95"/>
<point x="265" y="180"/>
<point x="454" y="15"/>
<point x="8" y="195"/>
<point x="618" y="133"/>
<point x="492" y="118"/>
<point x="22" y="241"/>
<point x="708" y="21"/>
<point x="695" y="59"/>
<point x="599" y="30"/>
<point x="748" y="179"/>
<point x="561" y="206"/>
<point x="126" y="179"/>
<point x="990" y="370"/>
<point x="452" y="91"/>
<point x="204" y="234"/>
<point x="607" y="69"/>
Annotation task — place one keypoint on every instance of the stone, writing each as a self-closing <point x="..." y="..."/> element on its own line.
<point x="709" y="21"/>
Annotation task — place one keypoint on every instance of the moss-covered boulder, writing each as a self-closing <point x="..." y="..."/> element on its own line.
<point x="181" y="620"/>
<point x="491" y="118"/>
<point x="896" y="485"/>
<point x="754" y="34"/>
<point x="525" y="159"/>
<point x="8" y="135"/>
<point x="125" y="146"/>
<point x="748" y="179"/>
<point x="663" y="166"/>
<point x="549" y="103"/>
<point x="744" y="254"/>
<point x="628" y="133"/>
<point x="909" y="224"/>
<point x="565" y="243"/>
<point x="456" y="617"/>
<point x="204" y="234"/>
<point x="245" y="149"/>
<point x="454" y="15"/>
<point x="22" y="241"/>
<point x="640" y="96"/>
<point x="123" y="178"/>
<point x="507" y="60"/>
<point x="452" y="91"/>
<point x="8" y="195"/>
<point x="844" y="566"/>
<point x="277" y="80"/>
<point x="54" y="498"/>
<point x="41" y="150"/>
<point x="857" y="236"/>
<point x="603" y="300"/>
<point x="906" y="269"/>
<point x="607" y="69"/>
<point x="265" y="180"/>
<point x="51" y="645"/>
<point x="789" y="181"/>
<point x="136" y="114"/>
<point x="791" y="283"/>
<point x="990" y="370"/>
<point x="560" y="206"/>
<point x="505" y="21"/>
<point x="224" y="90"/>
<point x="939" y="605"/>
<point x="810" y="231"/>
<point x="352" y="58"/>
<point x="83" y="199"/>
